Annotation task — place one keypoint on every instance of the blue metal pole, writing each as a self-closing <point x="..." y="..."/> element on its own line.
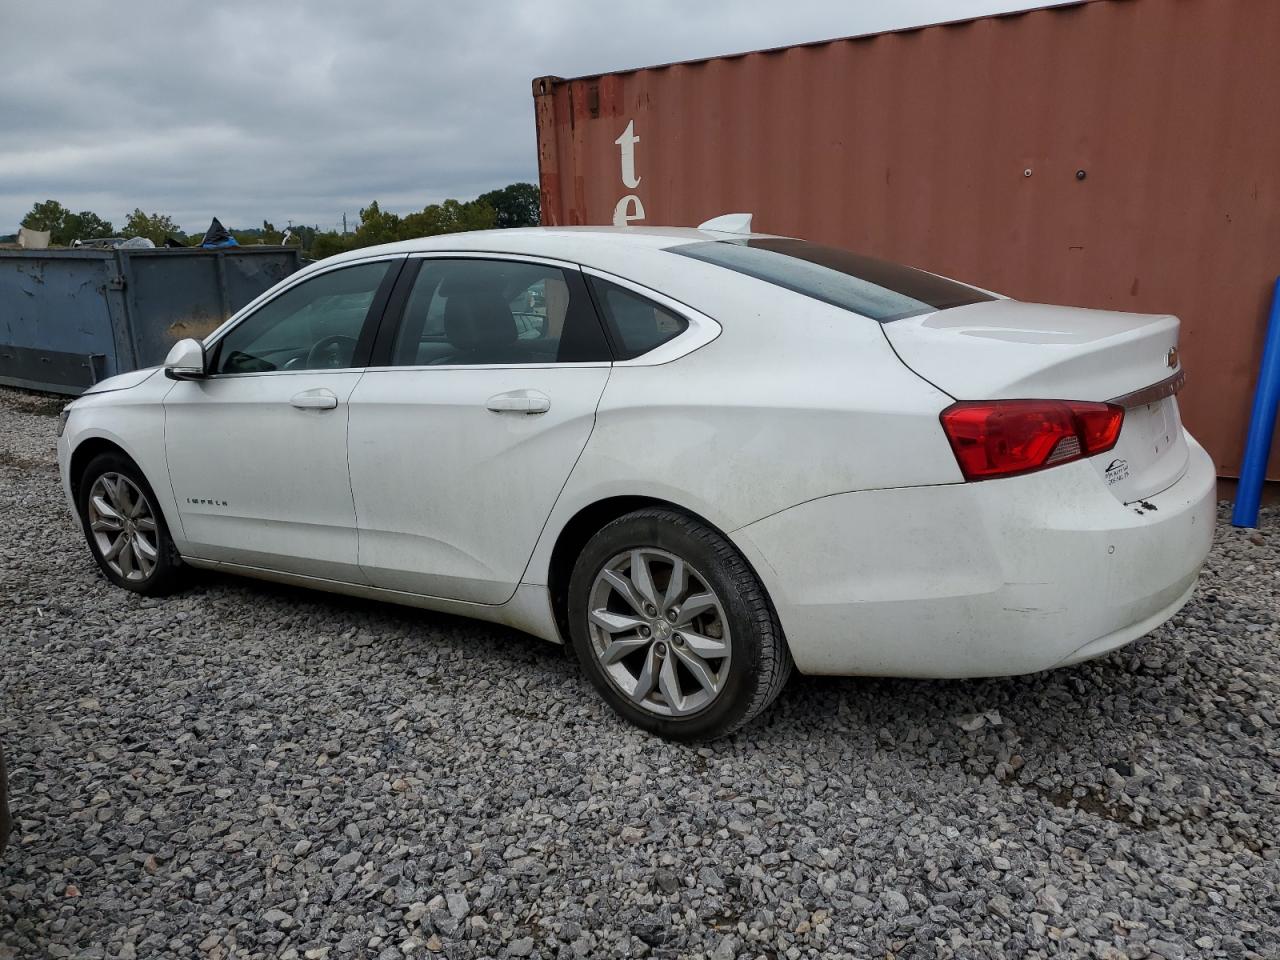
<point x="1262" y="424"/>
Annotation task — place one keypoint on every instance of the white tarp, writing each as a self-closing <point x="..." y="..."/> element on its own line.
<point x="30" y="239"/>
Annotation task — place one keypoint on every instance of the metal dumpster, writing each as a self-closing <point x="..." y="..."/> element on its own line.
<point x="69" y="318"/>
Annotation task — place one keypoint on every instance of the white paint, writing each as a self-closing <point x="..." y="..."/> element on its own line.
<point x="995" y="578"/>
<point x="728" y="223"/>
<point x="425" y="445"/>
<point x="797" y="430"/>
<point x="232" y="439"/>
<point x="627" y="146"/>
<point x="1009" y="349"/>
<point x="629" y="208"/>
<point x="122" y="381"/>
<point x="1005" y="349"/>
<point x="529" y="610"/>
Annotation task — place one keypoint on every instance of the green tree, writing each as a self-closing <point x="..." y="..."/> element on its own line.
<point x="154" y="226"/>
<point x="448" y="217"/>
<point x="517" y="205"/>
<point x="64" y="226"/>
<point x="451" y="216"/>
<point x="329" y="243"/>
<point x="50" y="215"/>
<point x="376" y="226"/>
<point x="85" y="225"/>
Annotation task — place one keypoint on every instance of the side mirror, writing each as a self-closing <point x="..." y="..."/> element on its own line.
<point x="185" y="361"/>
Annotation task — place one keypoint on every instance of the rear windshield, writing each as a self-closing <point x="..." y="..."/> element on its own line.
<point x="874" y="288"/>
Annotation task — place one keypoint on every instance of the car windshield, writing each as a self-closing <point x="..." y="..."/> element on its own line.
<point x="877" y="289"/>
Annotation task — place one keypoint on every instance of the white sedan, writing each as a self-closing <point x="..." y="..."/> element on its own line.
<point x="700" y="456"/>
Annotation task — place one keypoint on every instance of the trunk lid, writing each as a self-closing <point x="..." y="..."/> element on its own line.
<point x="1006" y="349"/>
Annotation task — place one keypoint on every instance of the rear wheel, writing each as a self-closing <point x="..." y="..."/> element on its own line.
<point x="124" y="527"/>
<point x="673" y="627"/>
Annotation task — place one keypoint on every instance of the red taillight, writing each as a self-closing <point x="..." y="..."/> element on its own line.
<point x="1000" y="438"/>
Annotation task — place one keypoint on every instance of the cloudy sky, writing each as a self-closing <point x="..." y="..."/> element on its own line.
<point x="303" y="111"/>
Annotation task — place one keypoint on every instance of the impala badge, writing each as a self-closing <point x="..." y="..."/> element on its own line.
<point x="1172" y="358"/>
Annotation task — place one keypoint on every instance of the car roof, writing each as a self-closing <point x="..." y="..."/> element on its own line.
<point x="589" y="245"/>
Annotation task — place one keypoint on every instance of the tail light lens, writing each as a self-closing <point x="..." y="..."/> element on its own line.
<point x="1001" y="438"/>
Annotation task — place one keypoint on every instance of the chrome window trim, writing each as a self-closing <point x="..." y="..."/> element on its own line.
<point x="493" y="255"/>
<point x="701" y="330"/>
<point x="589" y="364"/>
<point x="319" y="371"/>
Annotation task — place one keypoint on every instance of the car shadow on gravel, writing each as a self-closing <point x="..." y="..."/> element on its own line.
<point x="1086" y="709"/>
<point x="1059" y="734"/>
<point x="1095" y="739"/>
<point x="426" y="628"/>
<point x="1079" y="705"/>
<point x="942" y="705"/>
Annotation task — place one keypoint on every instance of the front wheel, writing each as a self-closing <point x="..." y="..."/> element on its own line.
<point x="125" y="529"/>
<point x="673" y="627"/>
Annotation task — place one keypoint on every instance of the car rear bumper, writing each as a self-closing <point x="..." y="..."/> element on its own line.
<point x="981" y="579"/>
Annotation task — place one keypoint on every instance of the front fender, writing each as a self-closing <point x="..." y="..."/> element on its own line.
<point x="133" y="421"/>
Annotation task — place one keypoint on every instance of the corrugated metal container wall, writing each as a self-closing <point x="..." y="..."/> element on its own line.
<point x="1122" y="154"/>
<point x="69" y="318"/>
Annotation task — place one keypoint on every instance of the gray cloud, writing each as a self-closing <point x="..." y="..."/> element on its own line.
<point x="304" y="111"/>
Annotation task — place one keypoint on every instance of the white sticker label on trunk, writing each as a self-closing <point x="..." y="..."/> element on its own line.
<point x="1116" y="471"/>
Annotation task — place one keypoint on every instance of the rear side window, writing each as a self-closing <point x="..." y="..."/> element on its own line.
<point x="471" y="311"/>
<point x="877" y="289"/>
<point x="636" y="323"/>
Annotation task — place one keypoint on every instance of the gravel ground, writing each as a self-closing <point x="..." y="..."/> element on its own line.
<point x="248" y="770"/>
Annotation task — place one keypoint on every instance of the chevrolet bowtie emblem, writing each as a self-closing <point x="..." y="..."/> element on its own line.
<point x="1172" y="358"/>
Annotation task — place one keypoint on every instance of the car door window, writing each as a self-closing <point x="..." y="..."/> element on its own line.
<point x="636" y="323"/>
<point x="314" y="325"/>
<point x="497" y="312"/>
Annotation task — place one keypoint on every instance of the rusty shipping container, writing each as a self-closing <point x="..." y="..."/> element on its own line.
<point x="1121" y="154"/>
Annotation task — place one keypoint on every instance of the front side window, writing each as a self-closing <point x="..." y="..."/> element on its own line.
<point x="314" y="325"/>
<point x="471" y="311"/>
<point x="877" y="289"/>
<point x="637" y="323"/>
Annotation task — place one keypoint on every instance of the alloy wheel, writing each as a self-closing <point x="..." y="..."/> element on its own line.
<point x="123" y="524"/>
<point x="659" y="632"/>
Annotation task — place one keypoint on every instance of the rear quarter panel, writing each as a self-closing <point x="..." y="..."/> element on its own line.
<point x="795" y="400"/>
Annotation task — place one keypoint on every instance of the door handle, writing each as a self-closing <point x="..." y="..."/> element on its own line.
<point x="519" y="401"/>
<point x="318" y="399"/>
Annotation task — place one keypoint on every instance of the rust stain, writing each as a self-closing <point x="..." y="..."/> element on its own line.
<point x="196" y="327"/>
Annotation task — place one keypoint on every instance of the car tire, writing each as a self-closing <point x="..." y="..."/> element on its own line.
<point x="125" y="529"/>
<point x="689" y="662"/>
